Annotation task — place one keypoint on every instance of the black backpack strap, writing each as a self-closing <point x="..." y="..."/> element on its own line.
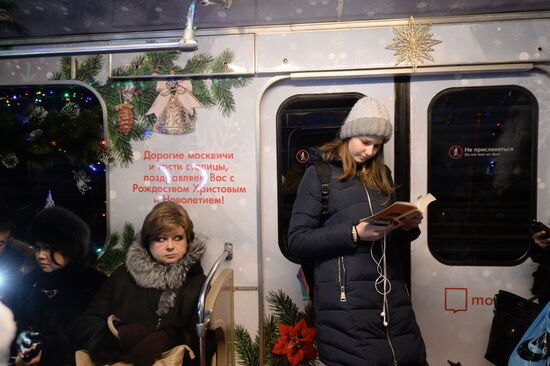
<point x="324" y="173"/>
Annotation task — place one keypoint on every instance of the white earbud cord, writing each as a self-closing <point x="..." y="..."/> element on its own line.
<point x="381" y="267"/>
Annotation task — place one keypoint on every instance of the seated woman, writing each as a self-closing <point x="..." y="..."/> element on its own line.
<point x="154" y="295"/>
<point x="52" y="297"/>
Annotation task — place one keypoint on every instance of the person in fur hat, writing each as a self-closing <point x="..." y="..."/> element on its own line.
<point x="154" y="294"/>
<point x="54" y="295"/>
<point x="363" y="312"/>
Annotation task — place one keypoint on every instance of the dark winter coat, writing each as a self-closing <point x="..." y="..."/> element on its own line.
<point x="51" y="304"/>
<point x="541" y="277"/>
<point x="348" y="308"/>
<point x="161" y="297"/>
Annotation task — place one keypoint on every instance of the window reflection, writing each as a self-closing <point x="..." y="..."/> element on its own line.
<point x="52" y="152"/>
<point x="482" y="169"/>
<point x="304" y="122"/>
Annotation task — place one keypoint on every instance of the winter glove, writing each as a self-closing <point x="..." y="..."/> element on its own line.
<point x="131" y="334"/>
<point x="28" y="361"/>
<point x="25" y="341"/>
<point x="150" y="348"/>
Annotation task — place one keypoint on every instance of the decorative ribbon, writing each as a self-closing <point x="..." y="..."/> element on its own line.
<point x="181" y="90"/>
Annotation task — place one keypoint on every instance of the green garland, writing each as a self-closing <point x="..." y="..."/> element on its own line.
<point x="115" y="252"/>
<point x="210" y="92"/>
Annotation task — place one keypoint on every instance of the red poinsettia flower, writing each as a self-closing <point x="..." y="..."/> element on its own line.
<point x="296" y="342"/>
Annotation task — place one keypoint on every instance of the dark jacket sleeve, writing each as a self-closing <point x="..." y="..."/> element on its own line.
<point x="306" y="235"/>
<point x="93" y="333"/>
<point x="56" y="349"/>
<point x="402" y="235"/>
<point x="539" y="255"/>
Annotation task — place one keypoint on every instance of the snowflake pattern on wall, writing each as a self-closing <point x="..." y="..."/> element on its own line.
<point x="413" y="43"/>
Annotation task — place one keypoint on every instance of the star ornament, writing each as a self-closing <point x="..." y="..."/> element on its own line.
<point x="413" y="43"/>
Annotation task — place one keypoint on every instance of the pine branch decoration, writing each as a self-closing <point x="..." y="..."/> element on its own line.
<point x="285" y="314"/>
<point x="222" y="61"/>
<point x="128" y="235"/>
<point x="64" y="72"/>
<point x="121" y="145"/>
<point x="115" y="251"/>
<point x="246" y="350"/>
<point x="283" y="307"/>
<point x="202" y="92"/>
<point x="221" y="91"/>
<point x="113" y="241"/>
<point x="198" y="64"/>
<point x="270" y="338"/>
<point x="90" y="68"/>
<point x="162" y="62"/>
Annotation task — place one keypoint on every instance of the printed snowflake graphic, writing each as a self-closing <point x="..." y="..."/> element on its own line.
<point x="413" y="43"/>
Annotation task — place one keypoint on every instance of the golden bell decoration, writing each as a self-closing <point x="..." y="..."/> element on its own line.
<point x="173" y="107"/>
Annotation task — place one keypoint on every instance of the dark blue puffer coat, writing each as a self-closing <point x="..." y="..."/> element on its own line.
<point x="350" y="330"/>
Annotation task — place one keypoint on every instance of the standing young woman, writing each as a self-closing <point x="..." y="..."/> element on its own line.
<point x="53" y="296"/>
<point x="363" y="312"/>
<point x="154" y="295"/>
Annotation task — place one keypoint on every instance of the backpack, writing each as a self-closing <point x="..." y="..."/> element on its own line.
<point x="307" y="264"/>
<point x="324" y="173"/>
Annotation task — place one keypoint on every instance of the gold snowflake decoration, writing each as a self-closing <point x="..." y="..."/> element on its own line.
<point x="413" y="43"/>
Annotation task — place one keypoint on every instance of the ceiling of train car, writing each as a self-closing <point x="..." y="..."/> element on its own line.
<point x="21" y="19"/>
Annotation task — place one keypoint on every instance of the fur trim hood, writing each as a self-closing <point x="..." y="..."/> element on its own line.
<point x="149" y="273"/>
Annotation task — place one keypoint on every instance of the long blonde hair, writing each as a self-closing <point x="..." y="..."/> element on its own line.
<point x="373" y="174"/>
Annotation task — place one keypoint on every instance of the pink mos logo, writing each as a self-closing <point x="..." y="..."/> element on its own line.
<point x="456" y="299"/>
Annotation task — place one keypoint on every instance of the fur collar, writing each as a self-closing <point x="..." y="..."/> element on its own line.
<point x="148" y="273"/>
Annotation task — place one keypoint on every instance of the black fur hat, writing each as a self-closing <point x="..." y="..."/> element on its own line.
<point x="62" y="230"/>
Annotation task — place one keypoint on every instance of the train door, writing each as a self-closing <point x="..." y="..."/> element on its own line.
<point x="475" y="143"/>
<point x="296" y="115"/>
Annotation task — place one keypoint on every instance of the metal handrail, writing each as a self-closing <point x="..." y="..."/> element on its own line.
<point x="203" y="315"/>
<point x="187" y="43"/>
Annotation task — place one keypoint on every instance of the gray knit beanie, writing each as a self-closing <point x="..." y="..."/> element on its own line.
<point x="367" y="117"/>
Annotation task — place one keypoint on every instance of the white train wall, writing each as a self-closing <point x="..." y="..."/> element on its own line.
<point x="224" y="168"/>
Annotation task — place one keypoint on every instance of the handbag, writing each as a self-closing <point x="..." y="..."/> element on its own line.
<point x="513" y="314"/>
<point x="534" y="347"/>
<point x="172" y="357"/>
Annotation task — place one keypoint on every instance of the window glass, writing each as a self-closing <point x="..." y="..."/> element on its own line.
<point x="482" y="169"/>
<point x="303" y="122"/>
<point x="52" y="153"/>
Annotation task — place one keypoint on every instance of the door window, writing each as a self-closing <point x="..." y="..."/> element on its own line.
<point x="482" y="169"/>
<point x="53" y="152"/>
<point x="304" y="122"/>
